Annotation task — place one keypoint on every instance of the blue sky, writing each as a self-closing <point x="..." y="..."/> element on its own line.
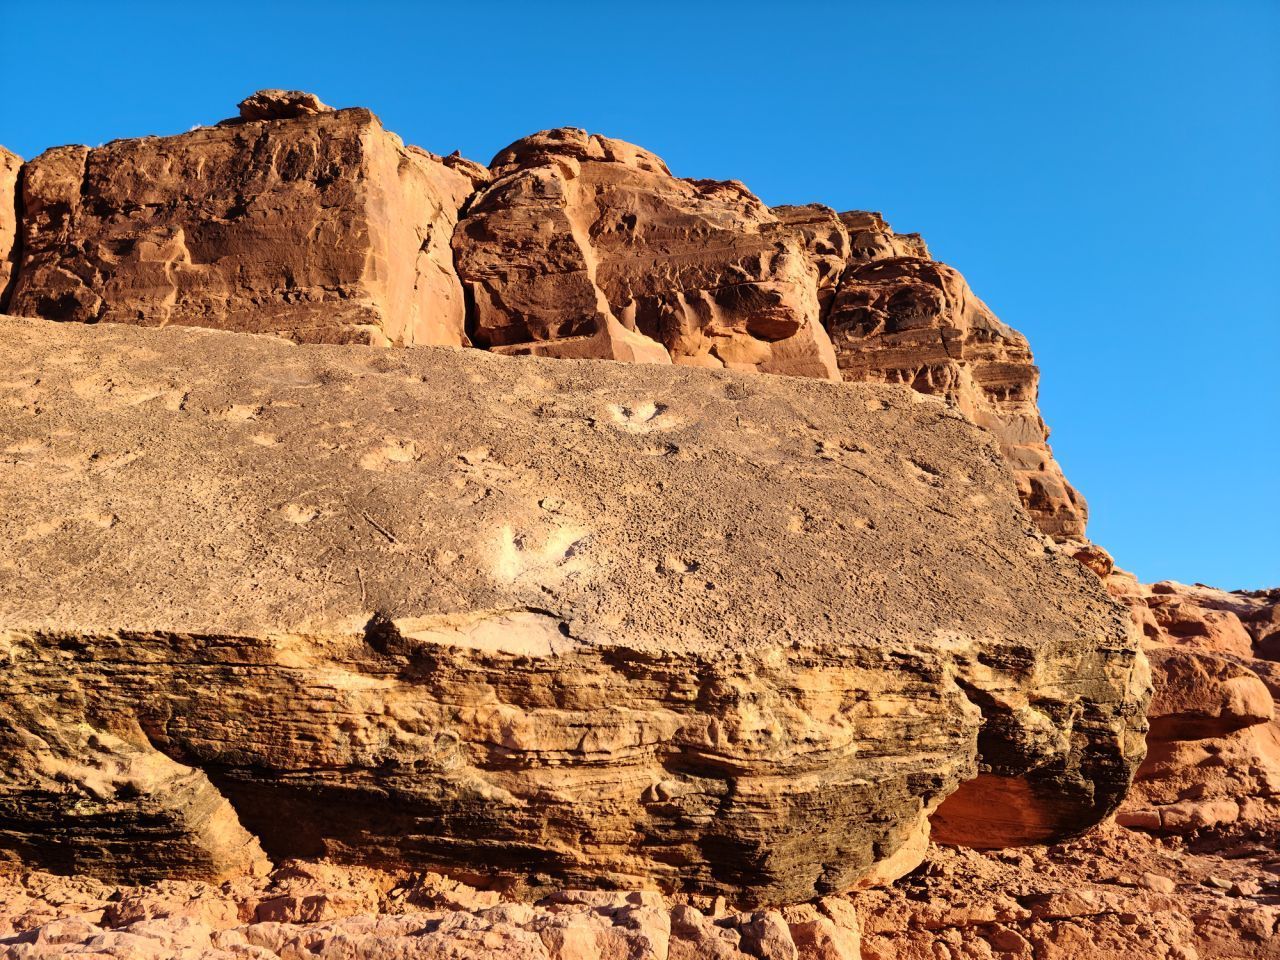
<point x="1105" y="175"/>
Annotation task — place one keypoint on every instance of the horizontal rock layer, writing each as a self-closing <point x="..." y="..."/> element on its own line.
<point x="500" y="615"/>
<point x="318" y="225"/>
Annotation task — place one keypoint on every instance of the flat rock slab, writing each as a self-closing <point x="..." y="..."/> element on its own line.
<point x="600" y="622"/>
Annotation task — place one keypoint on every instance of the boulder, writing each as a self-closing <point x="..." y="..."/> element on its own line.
<point x="503" y="616"/>
<point x="302" y="221"/>
<point x="1198" y="695"/>
<point x="281" y="105"/>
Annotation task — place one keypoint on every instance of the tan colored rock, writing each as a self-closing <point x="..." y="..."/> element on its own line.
<point x="10" y="165"/>
<point x="588" y="621"/>
<point x="317" y="226"/>
<point x="587" y="246"/>
<point x="915" y="321"/>
<point x="281" y="105"/>
<point x="89" y="801"/>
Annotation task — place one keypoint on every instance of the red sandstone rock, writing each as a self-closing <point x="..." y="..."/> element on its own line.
<point x="1114" y="895"/>
<point x="10" y="164"/>
<point x="1199" y="695"/>
<point x="905" y="319"/>
<point x="1213" y="760"/>
<point x="587" y="246"/>
<point x="314" y="224"/>
<point x="281" y="105"/>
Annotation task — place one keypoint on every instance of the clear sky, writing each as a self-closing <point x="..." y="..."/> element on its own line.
<point x="1106" y="175"/>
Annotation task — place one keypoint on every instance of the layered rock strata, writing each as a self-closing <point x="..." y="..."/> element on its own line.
<point x="515" y="617"/>
<point x="295" y="219"/>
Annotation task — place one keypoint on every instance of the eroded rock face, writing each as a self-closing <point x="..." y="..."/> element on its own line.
<point x="310" y="223"/>
<point x="587" y="246"/>
<point x="10" y="165"/>
<point x="1213" y="764"/>
<point x="604" y="623"/>
<point x="901" y="318"/>
<point x="584" y="246"/>
<point x="316" y="224"/>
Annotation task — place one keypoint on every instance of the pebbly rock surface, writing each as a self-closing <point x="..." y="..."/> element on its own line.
<point x="1113" y="895"/>
<point x="313" y="224"/>
<point x="610" y="624"/>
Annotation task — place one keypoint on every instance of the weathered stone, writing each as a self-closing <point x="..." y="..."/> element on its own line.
<point x="915" y="321"/>
<point x="587" y="246"/>
<point x="1213" y="763"/>
<point x="321" y="228"/>
<point x="583" y="620"/>
<point x="871" y="238"/>
<point x="281" y="105"/>
<point x="77" y="798"/>
<point x="1198" y="695"/>
<point x="10" y="165"/>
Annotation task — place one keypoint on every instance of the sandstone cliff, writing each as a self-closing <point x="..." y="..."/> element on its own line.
<point x="539" y="624"/>
<point x="318" y="225"/>
<point x="310" y="223"/>
<point x="617" y="624"/>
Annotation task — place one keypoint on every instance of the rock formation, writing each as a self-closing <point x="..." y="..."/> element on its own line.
<point x="10" y="164"/>
<point x="587" y="246"/>
<point x="912" y="320"/>
<point x="581" y="243"/>
<point x="721" y="643"/>
<point x="604" y="623"/>
<point x="1213" y="766"/>
<point x="297" y="220"/>
<point x="318" y="225"/>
